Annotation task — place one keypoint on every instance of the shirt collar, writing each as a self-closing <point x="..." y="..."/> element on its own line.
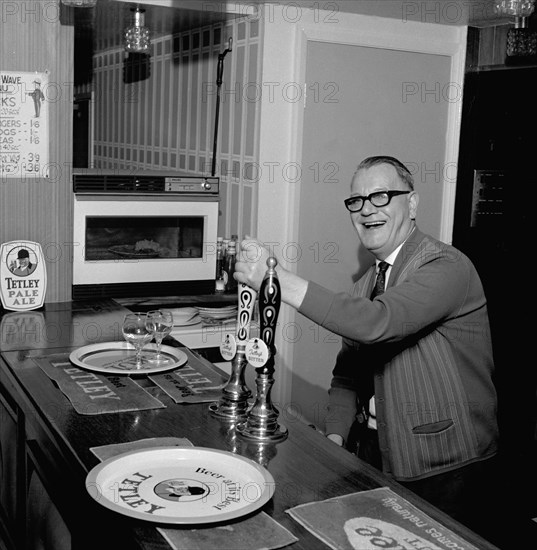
<point x="391" y="258"/>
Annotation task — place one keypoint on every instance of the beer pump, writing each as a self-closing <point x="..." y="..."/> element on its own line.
<point x="233" y="405"/>
<point x="261" y="424"/>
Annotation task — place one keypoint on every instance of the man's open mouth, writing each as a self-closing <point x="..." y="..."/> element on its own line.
<point x="373" y="225"/>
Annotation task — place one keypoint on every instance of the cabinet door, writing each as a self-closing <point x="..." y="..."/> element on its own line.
<point x="8" y="468"/>
<point x="45" y="527"/>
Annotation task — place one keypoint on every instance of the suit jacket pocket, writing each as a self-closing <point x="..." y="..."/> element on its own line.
<point x="433" y="427"/>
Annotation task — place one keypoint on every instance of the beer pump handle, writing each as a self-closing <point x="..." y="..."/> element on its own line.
<point x="247" y="297"/>
<point x="269" y="306"/>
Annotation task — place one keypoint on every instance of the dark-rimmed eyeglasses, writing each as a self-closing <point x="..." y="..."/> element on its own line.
<point x="379" y="198"/>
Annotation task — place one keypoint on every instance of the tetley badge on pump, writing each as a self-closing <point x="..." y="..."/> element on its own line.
<point x="23" y="276"/>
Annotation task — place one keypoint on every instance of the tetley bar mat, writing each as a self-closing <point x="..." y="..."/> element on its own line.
<point x="91" y="393"/>
<point x="195" y="382"/>
<point x="375" y="519"/>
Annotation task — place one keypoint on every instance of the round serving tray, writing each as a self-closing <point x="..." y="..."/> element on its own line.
<point x="180" y="485"/>
<point x="119" y="358"/>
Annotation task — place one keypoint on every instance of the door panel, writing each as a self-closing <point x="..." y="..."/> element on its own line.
<point x="360" y="101"/>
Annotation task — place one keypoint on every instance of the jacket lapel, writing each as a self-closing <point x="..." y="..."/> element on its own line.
<point x="407" y="252"/>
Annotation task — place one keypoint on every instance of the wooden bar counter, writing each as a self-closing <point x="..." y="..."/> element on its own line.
<point x="45" y="446"/>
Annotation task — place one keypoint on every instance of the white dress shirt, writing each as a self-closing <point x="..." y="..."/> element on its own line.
<point x="372" y="419"/>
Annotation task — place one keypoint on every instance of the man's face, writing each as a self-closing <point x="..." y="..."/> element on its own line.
<point x="23" y="262"/>
<point x="383" y="228"/>
<point x="178" y="488"/>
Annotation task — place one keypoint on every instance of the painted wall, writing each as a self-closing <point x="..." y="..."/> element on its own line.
<point x="38" y="36"/>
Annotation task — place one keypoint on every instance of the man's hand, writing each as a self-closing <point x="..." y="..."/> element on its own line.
<point x="251" y="264"/>
<point x="251" y="267"/>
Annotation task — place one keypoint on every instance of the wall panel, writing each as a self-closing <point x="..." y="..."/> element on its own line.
<point x="38" y="36"/>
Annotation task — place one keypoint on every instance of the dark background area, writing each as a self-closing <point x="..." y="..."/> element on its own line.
<point x="498" y="136"/>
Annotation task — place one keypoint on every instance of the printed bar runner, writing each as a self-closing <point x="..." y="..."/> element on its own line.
<point x="195" y="382"/>
<point x="91" y="393"/>
<point x="375" y="519"/>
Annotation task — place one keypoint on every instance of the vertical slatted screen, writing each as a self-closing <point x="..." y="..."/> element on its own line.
<point x="167" y="121"/>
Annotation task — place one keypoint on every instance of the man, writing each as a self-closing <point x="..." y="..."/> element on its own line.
<point x="25" y="267"/>
<point x="417" y="356"/>
<point x="38" y="97"/>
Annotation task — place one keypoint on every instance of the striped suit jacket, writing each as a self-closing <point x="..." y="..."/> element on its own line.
<point x="423" y="348"/>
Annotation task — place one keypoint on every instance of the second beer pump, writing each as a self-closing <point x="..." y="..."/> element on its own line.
<point x="260" y="421"/>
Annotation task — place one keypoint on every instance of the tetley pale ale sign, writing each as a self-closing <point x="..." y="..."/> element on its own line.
<point x="23" y="277"/>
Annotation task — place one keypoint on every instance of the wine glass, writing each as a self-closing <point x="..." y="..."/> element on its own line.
<point x="135" y="331"/>
<point x="159" y="323"/>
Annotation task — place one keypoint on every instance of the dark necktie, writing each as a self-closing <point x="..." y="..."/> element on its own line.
<point x="381" y="279"/>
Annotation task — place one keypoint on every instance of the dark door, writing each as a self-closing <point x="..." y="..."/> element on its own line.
<point x="496" y="178"/>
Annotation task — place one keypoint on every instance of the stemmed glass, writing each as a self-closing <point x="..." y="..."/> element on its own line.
<point x="159" y="323"/>
<point x="135" y="331"/>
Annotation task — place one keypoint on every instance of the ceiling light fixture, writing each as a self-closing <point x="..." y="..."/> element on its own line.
<point x="521" y="40"/>
<point x="137" y="37"/>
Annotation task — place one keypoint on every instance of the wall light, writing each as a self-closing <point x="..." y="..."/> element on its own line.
<point x="521" y="40"/>
<point x="516" y="8"/>
<point x="137" y="37"/>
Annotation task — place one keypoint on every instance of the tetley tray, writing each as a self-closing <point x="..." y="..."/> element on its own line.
<point x="180" y="485"/>
<point x="119" y="358"/>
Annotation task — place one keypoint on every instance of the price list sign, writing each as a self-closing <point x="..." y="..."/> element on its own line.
<point x="24" y="117"/>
